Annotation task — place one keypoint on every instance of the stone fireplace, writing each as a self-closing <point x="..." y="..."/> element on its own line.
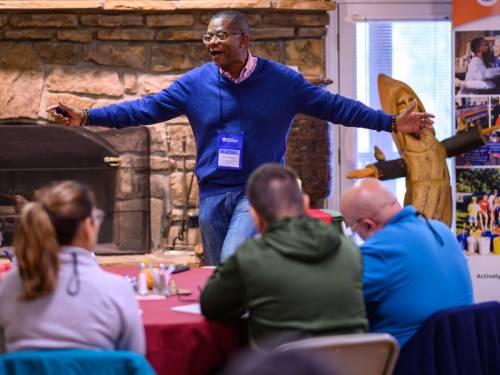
<point x="114" y="164"/>
<point x="92" y="53"/>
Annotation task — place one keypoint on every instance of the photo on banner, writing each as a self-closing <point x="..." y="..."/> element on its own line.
<point x="478" y="203"/>
<point x="477" y="105"/>
<point x="477" y="62"/>
<point x="483" y="112"/>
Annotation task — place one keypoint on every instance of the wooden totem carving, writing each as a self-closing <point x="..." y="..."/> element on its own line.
<point x="423" y="157"/>
<point x="428" y="185"/>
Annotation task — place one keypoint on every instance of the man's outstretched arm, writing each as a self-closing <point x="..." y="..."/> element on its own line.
<point x="316" y="101"/>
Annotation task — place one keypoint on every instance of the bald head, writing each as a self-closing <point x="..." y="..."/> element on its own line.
<point x="367" y="206"/>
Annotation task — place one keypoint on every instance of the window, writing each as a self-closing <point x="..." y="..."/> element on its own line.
<point x="415" y="52"/>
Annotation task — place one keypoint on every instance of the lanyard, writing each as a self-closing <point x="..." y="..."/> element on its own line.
<point x="221" y="116"/>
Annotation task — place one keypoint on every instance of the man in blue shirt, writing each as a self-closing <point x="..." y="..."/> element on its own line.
<point x="412" y="267"/>
<point x="240" y="109"/>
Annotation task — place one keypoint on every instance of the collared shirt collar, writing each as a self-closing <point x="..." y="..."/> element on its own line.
<point x="246" y="72"/>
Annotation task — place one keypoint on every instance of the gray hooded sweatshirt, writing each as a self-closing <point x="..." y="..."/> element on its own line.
<point x="89" y="309"/>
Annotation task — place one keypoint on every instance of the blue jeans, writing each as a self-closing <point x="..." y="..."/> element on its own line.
<point x="225" y="223"/>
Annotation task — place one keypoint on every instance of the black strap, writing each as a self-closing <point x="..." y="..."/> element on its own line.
<point x="434" y="232"/>
<point x="221" y="119"/>
<point x="75" y="278"/>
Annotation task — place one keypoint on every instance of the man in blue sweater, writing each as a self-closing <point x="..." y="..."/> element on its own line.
<point x="412" y="267"/>
<point x="240" y="108"/>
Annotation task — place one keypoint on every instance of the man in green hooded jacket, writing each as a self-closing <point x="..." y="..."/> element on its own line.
<point x="300" y="278"/>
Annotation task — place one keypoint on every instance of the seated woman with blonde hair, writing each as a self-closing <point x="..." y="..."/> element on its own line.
<point x="58" y="296"/>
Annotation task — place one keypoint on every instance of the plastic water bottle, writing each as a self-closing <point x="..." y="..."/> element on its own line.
<point x="142" y="284"/>
<point x="168" y="291"/>
<point x="161" y="279"/>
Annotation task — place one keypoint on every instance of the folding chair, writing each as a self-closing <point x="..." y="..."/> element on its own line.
<point x="357" y="354"/>
<point x="74" y="362"/>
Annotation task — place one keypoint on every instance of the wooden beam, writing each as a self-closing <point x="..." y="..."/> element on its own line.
<point x="317" y="5"/>
<point x="223" y="4"/>
<point x="166" y="5"/>
<point x="50" y="4"/>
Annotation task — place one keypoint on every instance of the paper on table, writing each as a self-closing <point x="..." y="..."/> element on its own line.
<point x="193" y="308"/>
<point x="149" y="297"/>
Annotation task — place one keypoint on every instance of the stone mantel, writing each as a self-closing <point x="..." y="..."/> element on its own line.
<point x="167" y="5"/>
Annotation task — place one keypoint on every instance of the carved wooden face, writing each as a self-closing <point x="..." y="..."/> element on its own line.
<point x="395" y="97"/>
<point x="402" y="98"/>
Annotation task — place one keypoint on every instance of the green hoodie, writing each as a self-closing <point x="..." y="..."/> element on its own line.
<point x="300" y="278"/>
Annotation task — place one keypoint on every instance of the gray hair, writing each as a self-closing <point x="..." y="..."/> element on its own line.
<point x="237" y="19"/>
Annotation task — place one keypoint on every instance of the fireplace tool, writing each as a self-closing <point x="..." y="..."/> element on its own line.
<point x="167" y="217"/>
<point x="9" y="215"/>
<point x="186" y="218"/>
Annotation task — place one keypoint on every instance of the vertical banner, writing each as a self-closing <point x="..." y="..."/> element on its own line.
<point x="476" y="26"/>
<point x="467" y="11"/>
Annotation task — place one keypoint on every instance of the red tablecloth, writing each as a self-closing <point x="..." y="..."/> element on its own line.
<point x="186" y="344"/>
<point x="320" y="215"/>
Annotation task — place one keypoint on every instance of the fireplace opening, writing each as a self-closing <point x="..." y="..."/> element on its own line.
<point x="35" y="155"/>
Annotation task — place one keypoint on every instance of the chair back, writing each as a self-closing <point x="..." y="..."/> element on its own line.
<point x="74" y="362"/>
<point x="456" y="341"/>
<point x="366" y="354"/>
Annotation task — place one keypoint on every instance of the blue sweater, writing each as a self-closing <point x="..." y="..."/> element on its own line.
<point x="262" y="106"/>
<point x="408" y="274"/>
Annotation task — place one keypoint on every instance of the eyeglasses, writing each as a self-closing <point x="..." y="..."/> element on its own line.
<point x="219" y="35"/>
<point x="356" y="223"/>
<point x="98" y="216"/>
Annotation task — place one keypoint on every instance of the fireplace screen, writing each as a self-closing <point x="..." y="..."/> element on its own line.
<point x="34" y="155"/>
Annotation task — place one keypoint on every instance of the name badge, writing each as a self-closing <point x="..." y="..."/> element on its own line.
<point x="229" y="150"/>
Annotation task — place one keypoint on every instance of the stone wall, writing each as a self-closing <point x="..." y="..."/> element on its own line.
<point x="94" y="58"/>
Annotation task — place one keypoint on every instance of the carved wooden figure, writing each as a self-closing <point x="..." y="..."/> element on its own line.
<point x="423" y="161"/>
